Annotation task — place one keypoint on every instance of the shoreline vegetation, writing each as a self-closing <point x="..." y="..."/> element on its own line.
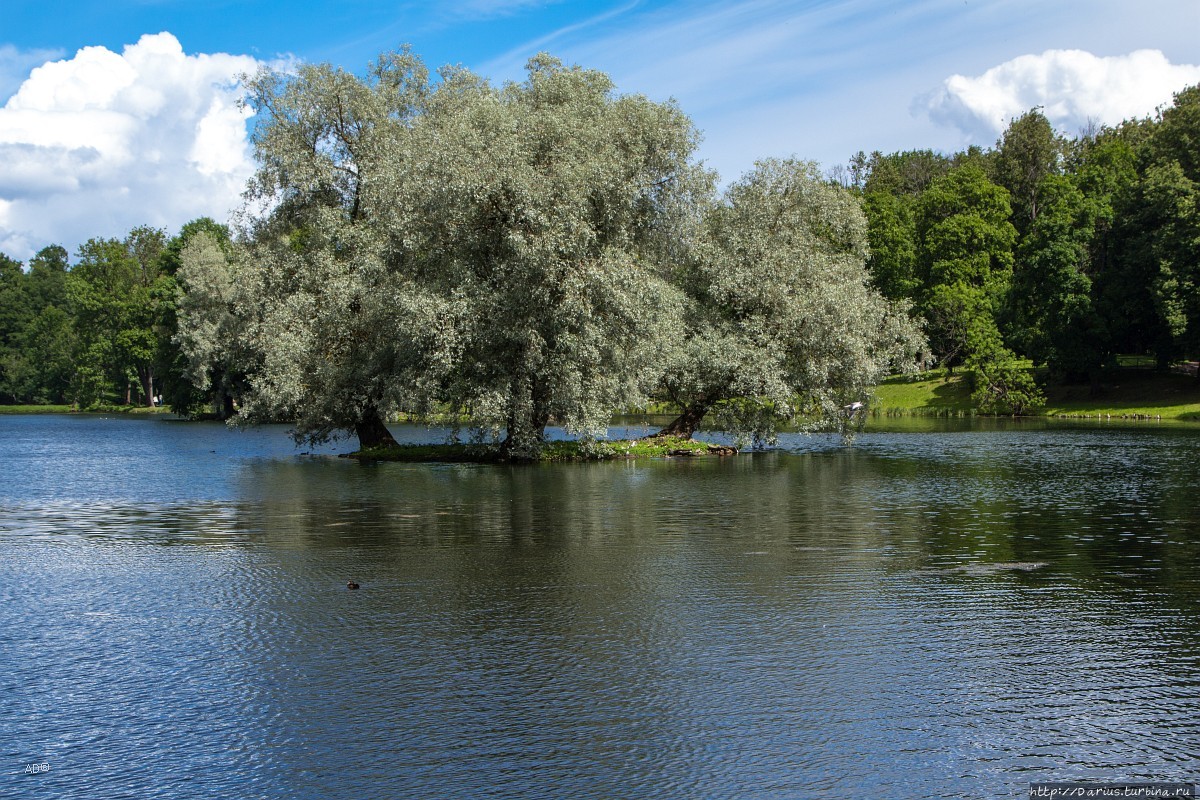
<point x="552" y="252"/>
<point x="1123" y="393"/>
<point x="1132" y="391"/>
<point x="62" y="408"/>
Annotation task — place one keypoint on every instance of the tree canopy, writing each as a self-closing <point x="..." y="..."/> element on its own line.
<point x="551" y="251"/>
<point x="781" y="322"/>
<point x="540" y="251"/>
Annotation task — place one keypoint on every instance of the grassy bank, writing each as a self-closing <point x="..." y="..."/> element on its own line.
<point x="553" y="451"/>
<point x="66" y="409"/>
<point x="930" y="394"/>
<point x="1128" y="393"/>
<point x="56" y="409"/>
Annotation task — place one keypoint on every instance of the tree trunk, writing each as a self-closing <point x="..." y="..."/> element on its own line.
<point x="517" y="449"/>
<point x="146" y="375"/>
<point x="372" y="432"/>
<point x="227" y="409"/>
<point x="685" y="425"/>
<point x="523" y="438"/>
<point x="527" y="420"/>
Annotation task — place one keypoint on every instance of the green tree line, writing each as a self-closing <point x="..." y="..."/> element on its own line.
<point x="551" y="251"/>
<point x="100" y="331"/>
<point x="1062" y="251"/>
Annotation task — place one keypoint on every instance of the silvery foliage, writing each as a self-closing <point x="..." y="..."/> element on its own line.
<point x="490" y="250"/>
<point x="541" y="251"/>
<point x="342" y="325"/>
<point x="783" y="325"/>
<point x="546" y="208"/>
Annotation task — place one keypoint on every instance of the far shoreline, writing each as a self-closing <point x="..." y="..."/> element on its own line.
<point x="1130" y="394"/>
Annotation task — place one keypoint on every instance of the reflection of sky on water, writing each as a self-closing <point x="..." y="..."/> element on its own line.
<point x="778" y="624"/>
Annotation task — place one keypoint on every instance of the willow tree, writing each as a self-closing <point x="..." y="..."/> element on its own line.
<point x="782" y="323"/>
<point x="548" y="209"/>
<point x="342" y="332"/>
<point x="494" y="251"/>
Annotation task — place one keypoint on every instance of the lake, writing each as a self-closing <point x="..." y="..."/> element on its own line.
<point x="943" y="610"/>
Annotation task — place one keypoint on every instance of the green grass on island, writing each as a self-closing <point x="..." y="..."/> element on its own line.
<point x="555" y="451"/>
<point x="1125" y="393"/>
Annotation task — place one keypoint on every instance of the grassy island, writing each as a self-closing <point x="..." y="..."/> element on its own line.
<point x="556" y="451"/>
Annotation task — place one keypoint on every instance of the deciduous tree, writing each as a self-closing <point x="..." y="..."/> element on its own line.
<point x="550" y="209"/>
<point x="339" y="331"/>
<point x="783" y="325"/>
<point x="965" y="244"/>
<point x="1029" y="151"/>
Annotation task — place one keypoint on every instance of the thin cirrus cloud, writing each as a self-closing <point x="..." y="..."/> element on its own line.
<point x="1073" y="88"/>
<point x="759" y="78"/>
<point x="491" y="9"/>
<point x="824" y="78"/>
<point x="101" y="142"/>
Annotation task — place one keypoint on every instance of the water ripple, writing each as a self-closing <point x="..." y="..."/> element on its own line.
<point x="946" y="615"/>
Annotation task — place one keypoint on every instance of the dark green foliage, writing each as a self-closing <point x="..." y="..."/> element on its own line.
<point x="1148" y="289"/>
<point x="14" y="300"/>
<point x="1063" y="252"/>
<point x="1028" y="153"/>
<point x="118" y="296"/>
<point x="47" y="278"/>
<point x="14" y="303"/>
<point x="892" y="233"/>
<point x="1176" y="138"/>
<point x="36" y="329"/>
<point x="965" y="243"/>
<point x="179" y="392"/>
<point x="1003" y="385"/>
<point x="907" y="173"/>
<point x="1053" y="317"/>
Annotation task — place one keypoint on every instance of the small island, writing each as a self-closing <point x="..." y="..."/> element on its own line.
<point x="553" y="451"/>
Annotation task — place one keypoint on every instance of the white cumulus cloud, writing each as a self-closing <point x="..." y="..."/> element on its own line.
<point x="15" y="65"/>
<point x="101" y="142"/>
<point x="1071" y="86"/>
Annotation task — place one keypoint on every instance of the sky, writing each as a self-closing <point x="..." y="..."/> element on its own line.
<point x="118" y="113"/>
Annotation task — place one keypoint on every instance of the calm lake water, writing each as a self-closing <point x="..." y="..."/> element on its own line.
<point x="816" y="622"/>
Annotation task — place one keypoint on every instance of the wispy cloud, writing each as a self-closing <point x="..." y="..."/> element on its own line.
<point x="824" y="78"/>
<point x="492" y="9"/>
<point x="760" y="77"/>
<point x="509" y="63"/>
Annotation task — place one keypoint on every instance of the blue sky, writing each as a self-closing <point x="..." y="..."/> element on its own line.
<point x="131" y="130"/>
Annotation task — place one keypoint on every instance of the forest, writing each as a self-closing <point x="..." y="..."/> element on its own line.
<point x="552" y="251"/>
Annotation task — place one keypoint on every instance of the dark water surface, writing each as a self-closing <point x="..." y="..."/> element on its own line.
<point x="822" y="622"/>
